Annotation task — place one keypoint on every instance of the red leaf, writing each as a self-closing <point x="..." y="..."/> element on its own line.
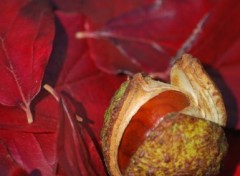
<point x="7" y="165"/>
<point x="26" y="151"/>
<point x="156" y="32"/>
<point x="88" y="90"/>
<point x="32" y="146"/>
<point x="46" y="117"/>
<point x="75" y="152"/>
<point x="100" y="11"/>
<point x="25" y="47"/>
<point x="125" y="37"/>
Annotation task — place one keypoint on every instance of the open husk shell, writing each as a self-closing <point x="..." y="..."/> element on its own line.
<point x="206" y="108"/>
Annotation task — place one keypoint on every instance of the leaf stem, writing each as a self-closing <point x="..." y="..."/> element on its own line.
<point x="84" y="34"/>
<point x="106" y="34"/>
<point x="26" y="108"/>
<point x="51" y="91"/>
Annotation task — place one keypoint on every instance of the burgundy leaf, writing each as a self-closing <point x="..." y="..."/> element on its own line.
<point x="76" y="155"/>
<point x="46" y="117"/>
<point x="90" y="88"/>
<point x="8" y="166"/>
<point x="101" y="11"/>
<point x="26" y="35"/>
<point x="27" y="152"/>
<point x="157" y="32"/>
<point x="115" y="36"/>
<point x="92" y="101"/>
<point x="47" y="143"/>
<point x="66" y="65"/>
<point x="32" y="146"/>
<point x="88" y="91"/>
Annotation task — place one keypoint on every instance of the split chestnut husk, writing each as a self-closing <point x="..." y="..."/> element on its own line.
<point x="154" y="128"/>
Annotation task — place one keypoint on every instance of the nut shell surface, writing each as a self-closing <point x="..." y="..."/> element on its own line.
<point x="189" y="142"/>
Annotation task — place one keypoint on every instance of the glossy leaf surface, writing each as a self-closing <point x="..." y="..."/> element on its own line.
<point x="115" y="36"/>
<point x="24" y="51"/>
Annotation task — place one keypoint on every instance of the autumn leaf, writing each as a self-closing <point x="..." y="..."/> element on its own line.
<point x="32" y="147"/>
<point x="26" y="151"/>
<point x="7" y="164"/>
<point x="114" y="36"/>
<point x="87" y="91"/>
<point x="101" y="11"/>
<point x="75" y="153"/>
<point x="24" y="51"/>
<point x="158" y="31"/>
<point x="89" y="87"/>
<point x="46" y="114"/>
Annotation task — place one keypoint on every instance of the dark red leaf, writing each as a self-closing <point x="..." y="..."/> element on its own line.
<point x="116" y="36"/>
<point x="77" y="155"/>
<point x="90" y="88"/>
<point x="66" y="65"/>
<point x="26" y="43"/>
<point x="47" y="143"/>
<point x="8" y="166"/>
<point x="33" y="146"/>
<point x="157" y="32"/>
<point x="26" y="150"/>
<point x="101" y="11"/>
<point x="46" y="117"/>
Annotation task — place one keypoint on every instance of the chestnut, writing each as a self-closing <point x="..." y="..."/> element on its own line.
<point x="155" y="128"/>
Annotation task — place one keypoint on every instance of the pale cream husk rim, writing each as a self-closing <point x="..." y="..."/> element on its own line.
<point x="188" y="77"/>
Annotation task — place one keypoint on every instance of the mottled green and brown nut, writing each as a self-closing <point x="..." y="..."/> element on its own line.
<point x="154" y="128"/>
